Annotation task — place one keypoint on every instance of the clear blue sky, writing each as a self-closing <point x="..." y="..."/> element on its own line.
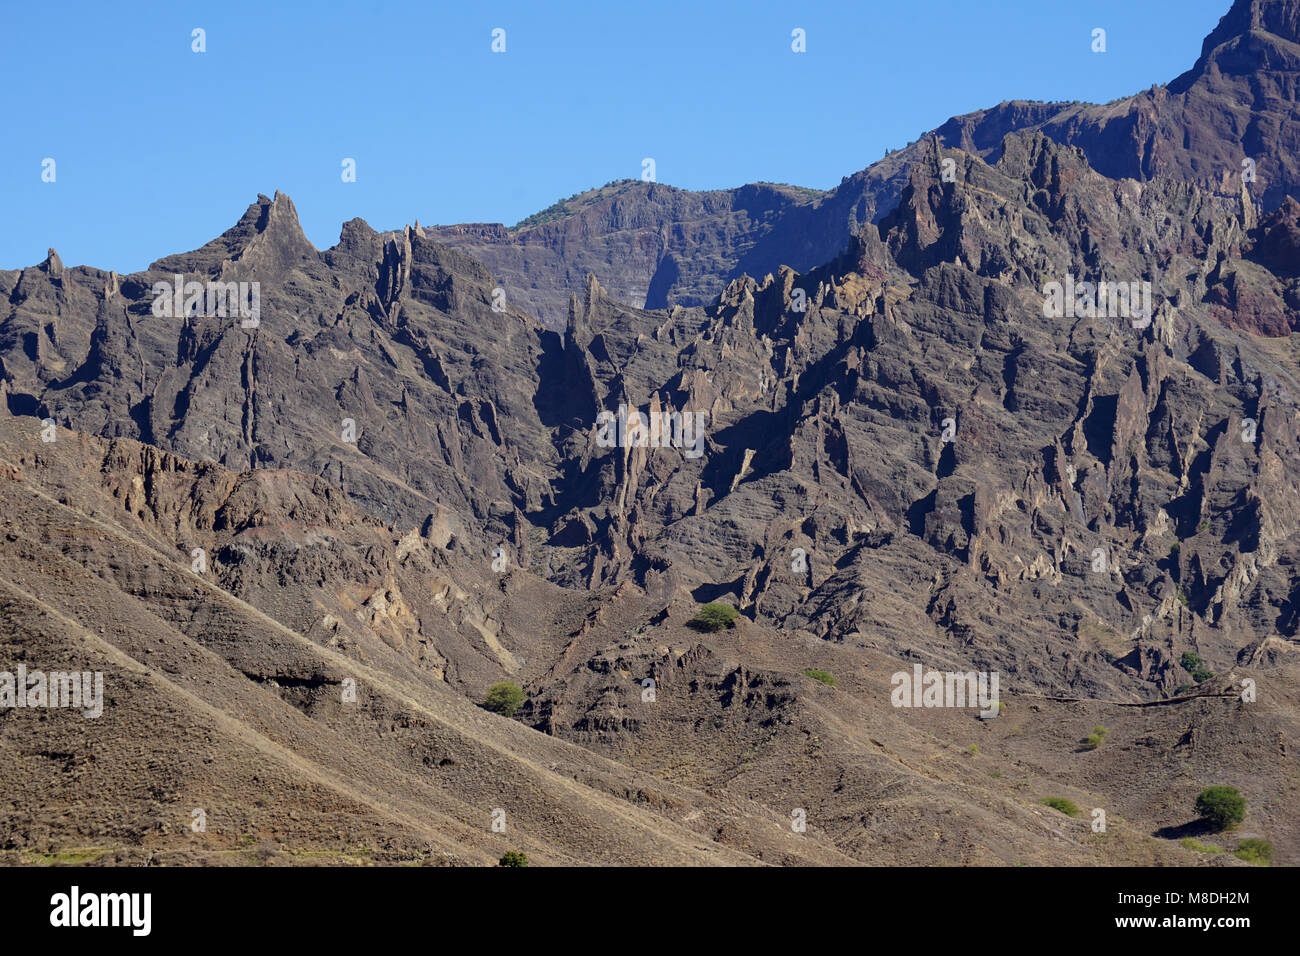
<point x="159" y="149"/>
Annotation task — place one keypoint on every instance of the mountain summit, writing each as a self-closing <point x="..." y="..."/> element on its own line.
<point x="1254" y="36"/>
<point x="655" y="246"/>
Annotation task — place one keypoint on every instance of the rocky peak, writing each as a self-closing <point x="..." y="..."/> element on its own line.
<point x="1254" y="35"/>
<point x="53" y="265"/>
<point x="267" y="235"/>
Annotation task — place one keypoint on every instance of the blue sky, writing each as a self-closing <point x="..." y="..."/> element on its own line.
<point x="158" y="149"/>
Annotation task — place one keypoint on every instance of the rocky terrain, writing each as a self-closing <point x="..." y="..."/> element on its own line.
<point x="654" y="246"/>
<point x="397" y="476"/>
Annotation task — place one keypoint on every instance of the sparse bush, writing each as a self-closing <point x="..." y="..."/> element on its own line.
<point x="714" y="616"/>
<point x="1255" y="850"/>
<point x="513" y="858"/>
<point x="552" y="212"/>
<point x="1094" y="739"/>
<point x="973" y="750"/>
<point x="1222" y="807"/>
<point x="504" y="698"/>
<point x="826" y="678"/>
<point x="1062" y="804"/>
<point x="1197" y="846"/>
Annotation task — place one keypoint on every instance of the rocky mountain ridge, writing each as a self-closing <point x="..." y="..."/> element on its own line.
<point x="938" y="446"/>
<point x="654" y="246"/>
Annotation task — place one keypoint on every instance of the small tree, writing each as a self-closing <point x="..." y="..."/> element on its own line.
<point x="504" y="698"/>
<point x="1193" y="664"/>
<point x="714" y="616"/>
<point x="1222" y="807"/>
<point x="513" y="858"/>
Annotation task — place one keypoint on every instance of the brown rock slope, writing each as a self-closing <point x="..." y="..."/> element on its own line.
<point x="212" y="701"/>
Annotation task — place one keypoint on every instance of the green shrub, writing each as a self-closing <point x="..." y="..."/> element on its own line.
<point x="1255" y="850"/>
<point x="1094" y="739"/>
<point x="1222" y="807"/>
<point x="823" y="676"/>
<point x="513" y="858"/>
<point x="714" y="616"/>
<point x="1193" y="664"/>
<point x="504" y="698"/>
<point x="1194" y="844"/>
<point x="1062" y="804"/>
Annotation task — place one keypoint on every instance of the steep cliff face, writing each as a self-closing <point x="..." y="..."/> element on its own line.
<point x="379" y="349"/>
<point x="650" y="244"/>
<point x="914" y="403"/>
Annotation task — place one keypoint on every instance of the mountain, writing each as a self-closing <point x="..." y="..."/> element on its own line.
<point x="653" y="246"/>
<point x="940" y="447"/>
